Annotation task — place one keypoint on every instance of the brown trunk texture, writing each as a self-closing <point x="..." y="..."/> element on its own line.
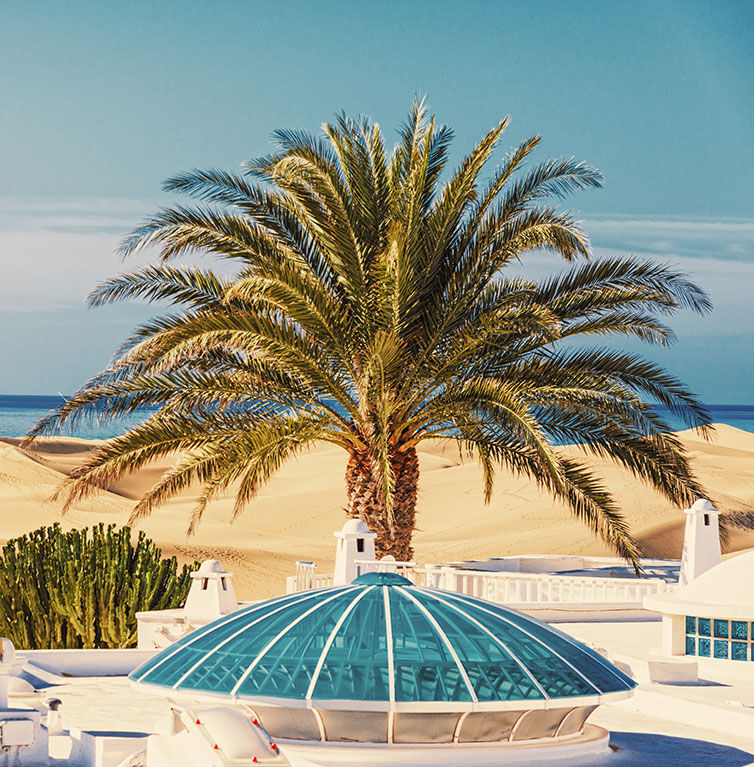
<point x="365" y="502"/>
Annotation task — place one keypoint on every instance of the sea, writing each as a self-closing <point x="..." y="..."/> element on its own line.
<point x="18" y="413"/>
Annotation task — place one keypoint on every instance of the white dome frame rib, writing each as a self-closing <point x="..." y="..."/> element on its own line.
<point x="306" y="605"/>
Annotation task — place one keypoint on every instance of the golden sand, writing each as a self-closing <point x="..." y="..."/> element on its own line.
<point x="296" y="513"/>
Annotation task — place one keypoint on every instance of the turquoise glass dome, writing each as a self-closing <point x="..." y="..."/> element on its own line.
<point x="384" y="644"/>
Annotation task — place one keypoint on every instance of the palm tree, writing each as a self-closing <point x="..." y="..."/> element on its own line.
<point x="368" y="305"/>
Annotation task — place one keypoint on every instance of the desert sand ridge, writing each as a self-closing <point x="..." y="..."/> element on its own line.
<point x="295" y="514"/>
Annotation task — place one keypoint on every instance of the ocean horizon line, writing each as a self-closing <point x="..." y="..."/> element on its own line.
<point x="52" y="398"/>
<point x="19" y="413"/>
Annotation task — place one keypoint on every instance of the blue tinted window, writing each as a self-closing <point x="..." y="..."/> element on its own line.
<point x="704" y="647"/>
<point x="336" y="643"/>
<point x="690" y="625"/>
<point x="578" y="670"/>
<point x="738" y="650"/>
<point x="721" y="629"/>
<point x="721" y="649"/>
<point x="224" y="667"/>
<point x="356" y="666"/>
<point x="424" y="666"/>
<point x="169" y="665"/>
<point x="492" y="670"/>
<point x="703" y="627"/>
<point x="690" y="646"/>
<point x="739" y="629"/>
<point x="278" y="674"/>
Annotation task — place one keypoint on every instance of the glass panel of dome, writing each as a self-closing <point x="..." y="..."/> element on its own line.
<point x="200" y="643"/>
<point x="424" y="728"/>
<point x="356" y="665"/>
<point x="224" y="666"/>
<point x="721" y="629"/>
<point x="556" y="675"/>
<point x="292" y="723"/>
<point x="599" y="671"/>
<point x="739" y="629"/>
<point x="690" y="625"/>
<point x="578" y="670"/>
<point x="703" y="627"/>
<point x="424" y="666"/>
<point x="721" y="649"/>
<point x="690" y="646"/>
<point x="355" y="726"/>
<point x="575" y="720"/>
<point x="539" y="724"/>
<point x="487" y="726"/>
<point x="492" y="670"/>
<point x="703" y="648"/>
<point x="284" y="672"/>
<point x="738" y="650"/>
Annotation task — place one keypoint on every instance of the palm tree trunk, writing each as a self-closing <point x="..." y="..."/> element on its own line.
<point x="365" y="501"/>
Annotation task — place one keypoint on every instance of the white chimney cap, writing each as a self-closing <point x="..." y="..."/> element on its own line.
<point x="703" y="505"/>
<point x="211" y="566"/>
<point x="355" y="528"/>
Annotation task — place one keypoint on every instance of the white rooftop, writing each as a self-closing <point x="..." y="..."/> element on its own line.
<point x="724" y="591"/>
<point x="711" y="723"/>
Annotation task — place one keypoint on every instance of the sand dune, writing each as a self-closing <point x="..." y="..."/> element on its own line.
<point x="295" y="515"/>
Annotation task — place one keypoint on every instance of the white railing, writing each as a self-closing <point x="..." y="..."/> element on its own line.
<point x="538" y="588"/>
<point x="306" y="578"/>
<point x="500" y="587"/>
<point x="386" y="565"/>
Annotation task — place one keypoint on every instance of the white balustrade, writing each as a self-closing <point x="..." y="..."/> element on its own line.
<point x="539" y="588"/>
<point x="386" y="565"/>
<point x="306" y="578"/>
<point x="500" y="587"/>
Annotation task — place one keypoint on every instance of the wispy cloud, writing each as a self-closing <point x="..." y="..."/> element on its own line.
<point x="86" y="216"/>
<point x="675" y="238"/>
<point x="53" y="253"/>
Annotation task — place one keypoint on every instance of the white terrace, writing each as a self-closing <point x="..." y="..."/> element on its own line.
<point x="75" y="708"/>
<point x="584" y="588"/>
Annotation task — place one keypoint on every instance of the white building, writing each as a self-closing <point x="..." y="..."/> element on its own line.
<point x="711" y="618"/>
<point x="211" y="596"/>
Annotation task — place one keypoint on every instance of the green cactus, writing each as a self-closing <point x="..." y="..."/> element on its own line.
<point x="83" y="588"/>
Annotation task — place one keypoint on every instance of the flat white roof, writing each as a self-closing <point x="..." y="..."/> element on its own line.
<point x="724" y="591"/>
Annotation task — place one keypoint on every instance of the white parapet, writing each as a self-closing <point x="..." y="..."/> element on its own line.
<point x="701" y="541"/>
<point x="104" y="748"/>
<point x="23" y="740"/>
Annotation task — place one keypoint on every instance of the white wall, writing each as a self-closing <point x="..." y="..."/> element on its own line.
<point x="87" y="662"/>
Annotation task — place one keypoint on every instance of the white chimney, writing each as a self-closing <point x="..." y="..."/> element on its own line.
<point x="355" y="541"/>
<point x="211" y="594"/>
<point x="701" y="541"/>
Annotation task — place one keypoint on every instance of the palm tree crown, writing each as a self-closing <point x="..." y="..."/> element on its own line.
<point x="369" y="307"/>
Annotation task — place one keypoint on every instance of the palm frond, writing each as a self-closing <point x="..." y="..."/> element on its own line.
<point x="368" y="304"/>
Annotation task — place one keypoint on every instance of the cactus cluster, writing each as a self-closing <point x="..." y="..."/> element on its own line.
<point x="83" y="588"/>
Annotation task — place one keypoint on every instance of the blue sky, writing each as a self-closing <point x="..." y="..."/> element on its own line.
<point x="102" y="101"/>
